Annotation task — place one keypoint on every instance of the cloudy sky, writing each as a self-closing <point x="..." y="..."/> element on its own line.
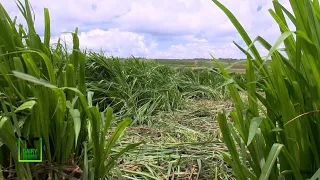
<point x="153" y="28"/>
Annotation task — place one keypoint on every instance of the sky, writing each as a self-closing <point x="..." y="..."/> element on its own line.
<point x="155" y="29"/>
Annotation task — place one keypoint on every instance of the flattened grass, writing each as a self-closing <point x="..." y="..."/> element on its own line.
<point x="177" y="143"/>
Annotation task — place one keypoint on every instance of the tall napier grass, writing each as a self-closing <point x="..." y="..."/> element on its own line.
<point x="281" y="137"/>
<point x="43" y="94"/>
<point x="139" y="88"/>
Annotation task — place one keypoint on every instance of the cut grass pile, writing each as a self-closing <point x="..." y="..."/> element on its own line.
<point x="185" y="144"/>
<point x="181" y="145"/>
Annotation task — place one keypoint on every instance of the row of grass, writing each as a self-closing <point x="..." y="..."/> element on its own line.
<point x="197" y="63"/>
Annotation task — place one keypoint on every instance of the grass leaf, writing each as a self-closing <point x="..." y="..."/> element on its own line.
<point x="33" y="79"/>
<point x="254" y="125"/>
<point x="75" y="113"/>
<point x="26" y="105"/>
<point x="272" y="157"/>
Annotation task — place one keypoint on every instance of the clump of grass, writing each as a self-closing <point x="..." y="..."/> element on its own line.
<point x="141" y="89"/>
<point x="201" y="84"/>
<point x="134" y="88"/>
<point x="43" y="95"/>
<point x="282" y="133"/>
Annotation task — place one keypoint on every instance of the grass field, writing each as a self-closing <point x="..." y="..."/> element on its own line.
<point x="141" y="88"/>
<point x="182" y="140"/>
<point x="109" y="118"/>
<point x="201" y="63"/>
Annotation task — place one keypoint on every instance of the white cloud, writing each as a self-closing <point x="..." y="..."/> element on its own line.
<point x="152" y="28"/>
<point x="113" y="42"/>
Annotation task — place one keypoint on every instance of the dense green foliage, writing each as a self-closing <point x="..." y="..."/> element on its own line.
<point x="43" y="94"/>
<point x="282" y="134"/>
<point x="140" y="89"/>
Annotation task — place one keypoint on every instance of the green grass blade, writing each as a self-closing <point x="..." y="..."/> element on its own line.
<point x="81" y="75"/>
<point x="75" y="113"/>
<point x="85" y="162"/>
<point x="236" y="164"/>
<point x="293" y="164"/>
<point x="251" y="88"/>
<point x="116" y="134"/>
<point x="288" y="13"/>
<point x="33" y="79"/>
<point x="237" y="25"/>
<point x="26" y="105"/>
<point x="254" y="125"/>
<point x="278" y="42"/>
<point x="46" y="29"/>
<point x="304" y="36"/>
<point x="314" y="24"/>
<point x="243" y="34"/>
<point x="243" y="50"/>
<point x="272" y="157"/>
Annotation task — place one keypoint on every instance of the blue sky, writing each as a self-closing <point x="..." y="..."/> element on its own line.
<point x="153" y="28"/>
